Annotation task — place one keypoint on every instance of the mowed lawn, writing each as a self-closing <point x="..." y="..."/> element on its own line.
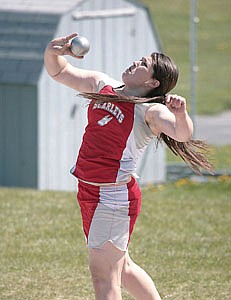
<point x="172" y="21"/>
<point x="182" y="239"/>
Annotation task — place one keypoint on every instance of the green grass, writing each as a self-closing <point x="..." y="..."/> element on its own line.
<point x="182" y="239"/>
<point x="172" y="20"/>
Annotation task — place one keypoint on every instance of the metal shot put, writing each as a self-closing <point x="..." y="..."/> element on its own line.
<point x="80" y="46"/>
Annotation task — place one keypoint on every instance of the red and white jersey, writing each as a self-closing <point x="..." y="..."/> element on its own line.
<point x="115" y="137"/>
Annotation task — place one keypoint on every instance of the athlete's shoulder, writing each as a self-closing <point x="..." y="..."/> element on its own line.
<point x="156" y="108"/>
<point x="107" y="80"/>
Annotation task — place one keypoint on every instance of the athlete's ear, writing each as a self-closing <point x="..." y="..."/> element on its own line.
<point x="152" y="83"/>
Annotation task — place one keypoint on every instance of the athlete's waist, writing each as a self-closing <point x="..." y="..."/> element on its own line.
<point x="107" y="183"/>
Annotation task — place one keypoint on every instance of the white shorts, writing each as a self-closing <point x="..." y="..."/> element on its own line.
<point x="109" y="213"/>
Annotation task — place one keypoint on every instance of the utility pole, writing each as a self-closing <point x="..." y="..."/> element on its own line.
<point x="193" y="57"/>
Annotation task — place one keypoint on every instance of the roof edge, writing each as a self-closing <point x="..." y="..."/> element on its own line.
<point x="153" y="26"/>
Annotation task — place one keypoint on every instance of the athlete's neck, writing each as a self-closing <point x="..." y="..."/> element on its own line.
<point x="127" y="91"/>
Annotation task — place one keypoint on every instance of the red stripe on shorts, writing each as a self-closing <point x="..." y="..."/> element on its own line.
<point x="135" y="201"/>
<point x="88" y="199"/>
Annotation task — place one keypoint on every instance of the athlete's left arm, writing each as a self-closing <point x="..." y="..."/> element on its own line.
<point x="172" y="119"/>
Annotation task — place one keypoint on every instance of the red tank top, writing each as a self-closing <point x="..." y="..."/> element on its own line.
<point x="105" y="140"/>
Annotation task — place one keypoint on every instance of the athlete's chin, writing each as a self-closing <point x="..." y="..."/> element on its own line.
<point x="124" y="75"/>
<point x="125" y="78"/>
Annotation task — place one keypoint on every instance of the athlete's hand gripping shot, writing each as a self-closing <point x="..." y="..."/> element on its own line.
<point x="132" y="113"/>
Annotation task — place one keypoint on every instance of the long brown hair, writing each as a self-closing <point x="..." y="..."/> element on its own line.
<point x="166" y="72"/>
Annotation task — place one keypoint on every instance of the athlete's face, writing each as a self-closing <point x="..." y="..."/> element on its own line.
<point x="139" y="72"/>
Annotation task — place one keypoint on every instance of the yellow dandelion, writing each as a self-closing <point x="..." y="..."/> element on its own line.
<point x="224" y="178"/>
<point x="182" y="181"/>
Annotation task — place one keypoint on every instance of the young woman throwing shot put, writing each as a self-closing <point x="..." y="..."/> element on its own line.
<point x="122" y="120"/>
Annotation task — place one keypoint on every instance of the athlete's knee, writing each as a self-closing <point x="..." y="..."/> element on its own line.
<point x="98" y="273"/>
<point x="127" y="270"/>
<point x="105" y="284"/>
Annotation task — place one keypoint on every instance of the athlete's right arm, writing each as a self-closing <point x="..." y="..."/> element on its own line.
<point x="62" y="71"/>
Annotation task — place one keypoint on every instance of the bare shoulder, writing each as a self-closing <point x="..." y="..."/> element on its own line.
<point x="155" y="115"/>
<point x="155" y="110"/>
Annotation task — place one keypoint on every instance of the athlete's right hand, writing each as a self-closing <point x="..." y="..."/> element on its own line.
<point x="61" y="46"/>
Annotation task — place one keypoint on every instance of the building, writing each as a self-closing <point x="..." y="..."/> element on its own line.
<point x="41" y="121"/>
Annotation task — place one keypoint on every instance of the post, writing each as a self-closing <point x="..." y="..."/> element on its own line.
<point x="193" y="58"/>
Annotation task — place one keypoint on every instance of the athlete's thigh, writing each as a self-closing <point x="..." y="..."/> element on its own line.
<point x="106" y="262"/>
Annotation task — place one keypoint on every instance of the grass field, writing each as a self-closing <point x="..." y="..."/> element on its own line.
<point x="172" y="20"/>
<point x="182" y="239"/>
